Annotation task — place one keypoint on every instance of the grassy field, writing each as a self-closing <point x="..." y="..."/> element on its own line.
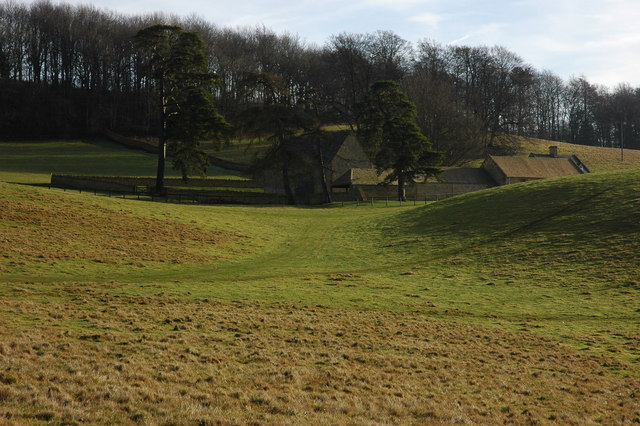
<point x="245" y="151"/>
<point x="517" y="304"/>
<point x="34" y="162"/>
<point x="596" y="158"/>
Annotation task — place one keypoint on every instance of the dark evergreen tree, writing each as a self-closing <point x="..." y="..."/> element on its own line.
<point x="176" y="62"/>
<point x="401" y="148"/>
<point x="277" y="119"/>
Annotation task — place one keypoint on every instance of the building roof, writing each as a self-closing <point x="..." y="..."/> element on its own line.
<point x="464" y="175"/>
<point x="535" y="167"/>
<point x="329" y="144"/>
<point x="358" y="176"/>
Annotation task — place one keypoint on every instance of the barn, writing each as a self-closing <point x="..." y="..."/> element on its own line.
<point x="507" y="170"/>
<point x="495" y="170"/>
<point x="314" y="158"/>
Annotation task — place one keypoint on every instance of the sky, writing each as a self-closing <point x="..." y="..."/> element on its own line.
<point x="595" y="39"/>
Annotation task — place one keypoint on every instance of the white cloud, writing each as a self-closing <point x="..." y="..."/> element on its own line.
<point x="394" y="4"/>
<point x="431" y="19"/>
<point x="487" y="34"/>
<point x="596" y="38"/>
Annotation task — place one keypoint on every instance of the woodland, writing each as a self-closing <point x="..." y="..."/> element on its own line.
<point x="68" y="70"/>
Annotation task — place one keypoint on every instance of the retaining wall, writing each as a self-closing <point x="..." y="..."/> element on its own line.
<point x="421" y="191"/>
<point x="133" y="185"/>
<point x="224" y="197"/>
<point x="91" y="182"/>
<point x="76" y="181"/>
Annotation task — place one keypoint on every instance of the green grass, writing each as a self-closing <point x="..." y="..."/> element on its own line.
<point x="35" y="161"/>
<point x="596" y="158"/>
<point x="244" y="151"/>
<point x="554" y="250"/>
<point x="518" y="302"/>
<point x="239" y="151"/>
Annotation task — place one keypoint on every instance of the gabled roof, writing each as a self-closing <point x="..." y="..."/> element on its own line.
<point x="535" y="167"/>
<point x="464" y="175"/>
<point x="306" y="145"/>
<point x="358" y="176"/>
<point x="573" y="158"/>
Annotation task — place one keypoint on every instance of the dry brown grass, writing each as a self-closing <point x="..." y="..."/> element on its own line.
<point x="100" y="357"/>
<point x="43" y="228"/>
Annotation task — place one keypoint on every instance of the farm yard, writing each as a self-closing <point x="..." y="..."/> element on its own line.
<point x="517" y="304"/>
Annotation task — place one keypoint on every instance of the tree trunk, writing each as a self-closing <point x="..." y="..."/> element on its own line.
<point x="162" y="142"/>
<point x="287" y="183"/>
<point x="323" y="176"/>
<point x="162" y="154"/>
<point x="402" y="196"/>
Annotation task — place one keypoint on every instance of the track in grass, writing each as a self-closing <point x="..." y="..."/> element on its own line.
<point x="445" y="313"/>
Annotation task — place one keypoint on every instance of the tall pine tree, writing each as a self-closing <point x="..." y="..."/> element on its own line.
<point x="400" y="147"/>
<point x="175" y="61"/>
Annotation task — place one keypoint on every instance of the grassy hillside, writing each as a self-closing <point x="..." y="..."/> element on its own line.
<point x="516" y="304"/>
<point x="246" y="150"/>
<point x="596" y="158"/>
<point x="33" y="162"/>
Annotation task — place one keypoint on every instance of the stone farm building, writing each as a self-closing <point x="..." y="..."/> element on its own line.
<point x="495" y="170"/>
<point x="350" y="174"/>
<point x="310" y="156"/>
<point x="506" y="170"/>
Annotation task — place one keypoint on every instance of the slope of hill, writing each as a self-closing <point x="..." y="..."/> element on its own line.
<point x="598" y="159"/>
<point x="516" y="304"/>
<point x="35" y="161"/>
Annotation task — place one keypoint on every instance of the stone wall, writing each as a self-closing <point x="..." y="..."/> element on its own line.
<point x="91" y="183"/>
<point x="132" y="185"/>
<point x="131" y="182"/>
<point x="420" y="191"/>
<point x="494" y="171"/>
<point x="225" y="197"/>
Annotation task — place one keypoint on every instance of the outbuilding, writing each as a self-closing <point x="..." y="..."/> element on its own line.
<point x="506" y="170"/>
<point x="315" y="161"/>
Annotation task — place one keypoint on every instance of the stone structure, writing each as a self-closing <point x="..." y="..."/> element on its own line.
<point x="452" y="181"/>
<point x="311" y="158"/>
<point x="507" y="170"/>
<point x="495" y="170"/>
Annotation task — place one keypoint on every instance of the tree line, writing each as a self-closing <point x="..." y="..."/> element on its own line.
<point x="67" y="69"/>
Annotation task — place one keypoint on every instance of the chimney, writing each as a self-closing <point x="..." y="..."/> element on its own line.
<point x="553" y="151"/>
